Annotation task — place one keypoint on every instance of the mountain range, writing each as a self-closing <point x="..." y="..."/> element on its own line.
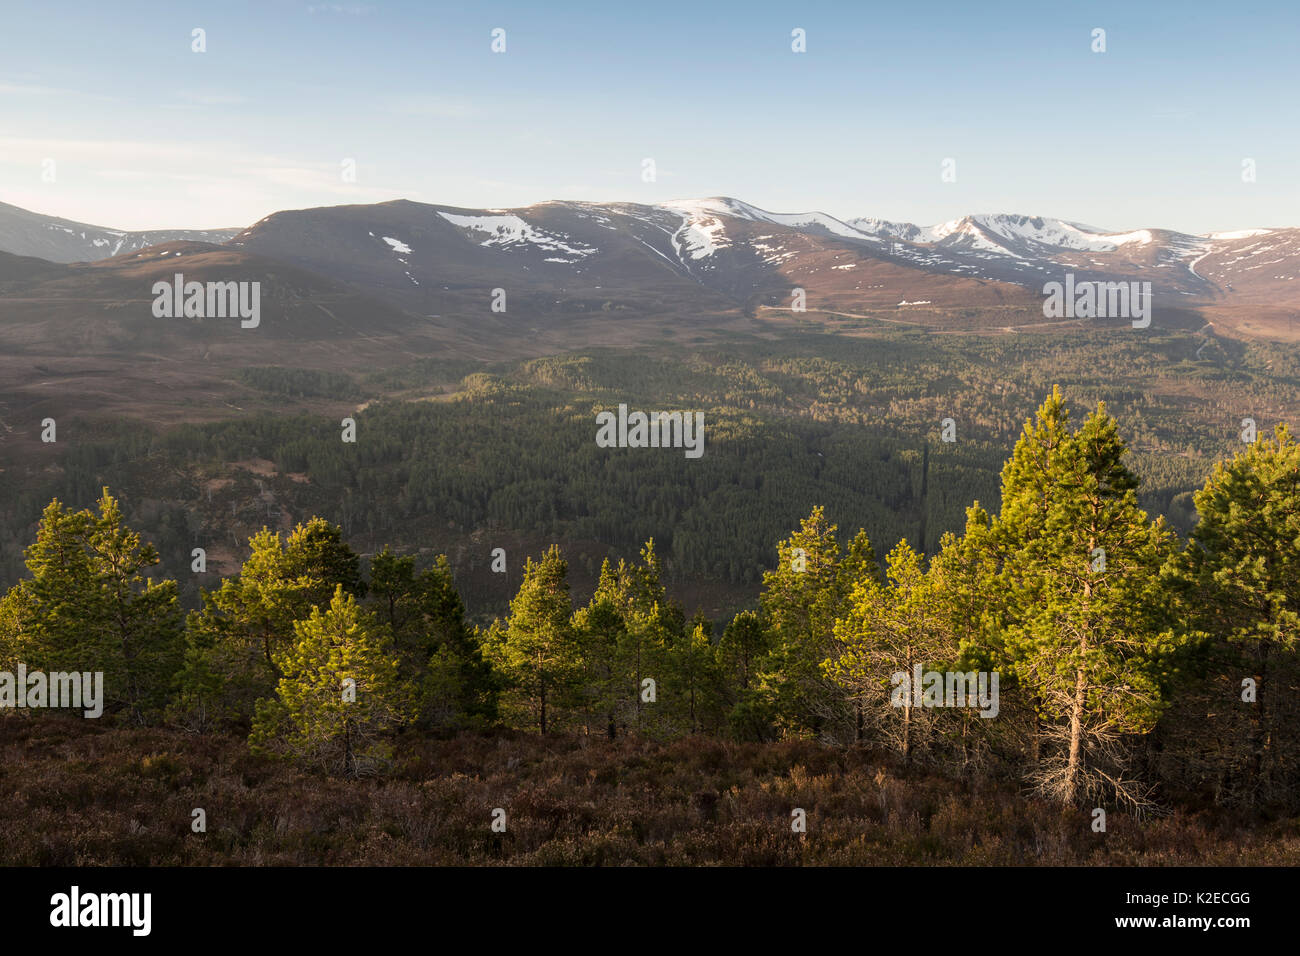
<point x="454" y="278"/>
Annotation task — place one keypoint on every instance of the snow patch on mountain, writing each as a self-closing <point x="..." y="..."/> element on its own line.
<point x="1239" y="234"/>
<point x="885" y="229"/>
<point x="704" y="213"/>
<point x="1002" y="233"/>
<point x="716" y="206"/>
<point x="700" y="237"/>
<point x="509" y="231"/>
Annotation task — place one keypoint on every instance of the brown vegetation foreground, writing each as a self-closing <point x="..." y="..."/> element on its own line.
<point x="79" y="793"/>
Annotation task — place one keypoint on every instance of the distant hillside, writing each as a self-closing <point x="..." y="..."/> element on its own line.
<point x="26" y="233"/>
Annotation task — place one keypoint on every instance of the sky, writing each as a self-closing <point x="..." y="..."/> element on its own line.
<point x="144" y="132"/>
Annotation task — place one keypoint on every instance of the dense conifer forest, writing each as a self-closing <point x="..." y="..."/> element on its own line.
<point x="459" y="458"/>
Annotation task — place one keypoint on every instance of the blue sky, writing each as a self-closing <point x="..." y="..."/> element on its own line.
<point x="146" y="133"/>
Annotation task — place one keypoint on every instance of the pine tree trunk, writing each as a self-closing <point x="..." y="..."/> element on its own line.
<point x="541" y="693"/>
<point x="1074" y="768"/>
<point x="907" y="732"/>
<point x="913" y="697"/>
<point x="1260" y="736"/>
<point x="636" y="691"/>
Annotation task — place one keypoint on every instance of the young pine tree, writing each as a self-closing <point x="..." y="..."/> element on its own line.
<point x="800" y="602"/>
<point x="694" y="695"/>
<point x="339" y="695"/>
<point x="235" y="642"/>
<point x="600" y="630"/>
<point x="536" y="649"/>
<point x="652" y="627"/>
<point x="744" y="643"/>
<point x="439" y="652"/>
<point x="889" y="629"/>
<point x="88" y="606"/>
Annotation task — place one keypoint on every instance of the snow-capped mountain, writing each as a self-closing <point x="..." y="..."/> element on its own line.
<point x="719" y="255"/>
<point x="722" y="253"/>
<point x="1015" y="247"/>
<point x="25" y="233"/>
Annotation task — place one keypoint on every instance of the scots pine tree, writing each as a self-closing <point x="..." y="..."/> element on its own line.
<point x="438" y="650"/>
<point x="890" y="629"/>
<point x="1079" y="571"/>
<point x="600" y="630"/>
<point x="694" y="695"/>
<point x="1241" y="578"/>
<point x="235" y="642"/>
<point x="800" y="602"/>
<point x="339" y="695"/>
<point x="536" y="649"/>
<point x="652" y="627"/>
<point x="88" y="606"/>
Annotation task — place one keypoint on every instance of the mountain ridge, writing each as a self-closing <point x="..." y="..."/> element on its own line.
<point x="699" y="257"/>
<point x="55" y="239"/>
